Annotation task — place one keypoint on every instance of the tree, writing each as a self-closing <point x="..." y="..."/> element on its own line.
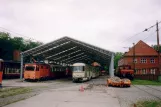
<point x="118" y="55"/>
<point x="6" y="46"/>
<point x="9" y="44"/>
<point x="4" y="36"/>
<point x="18" y="43"/>
<point x="156" y="47"/>
<point x="30" y="44"/>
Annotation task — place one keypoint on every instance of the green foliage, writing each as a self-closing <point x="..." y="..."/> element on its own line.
<point x="5" y="36"/>
<point x="118" y="55"/>
<point x="9" y="44"/>
<point x="6" y="46"/>
<point x="18" y="43"/>
<point x="151" y="103"/>
<point x="145" y="82"/>
<point x="156" y="47"/>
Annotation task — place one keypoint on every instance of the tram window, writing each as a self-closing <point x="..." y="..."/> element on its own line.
<point x="41" y="67"/>
<point x="78" y="68"/>
<point x="83" y="68"/>
<point x="29" y="68"/>
<point x="37" y="68"/>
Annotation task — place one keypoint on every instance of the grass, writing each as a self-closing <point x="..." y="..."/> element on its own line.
<point x="145" y="82"/>
<point x="13" y="91"/>
<point x="148" y="104"/>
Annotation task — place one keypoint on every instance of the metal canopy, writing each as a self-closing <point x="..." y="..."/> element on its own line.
<point x="68" y="51"/>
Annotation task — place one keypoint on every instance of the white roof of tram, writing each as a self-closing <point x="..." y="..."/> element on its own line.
<point x="79" y="64"/>
<point x="68" y="51"/>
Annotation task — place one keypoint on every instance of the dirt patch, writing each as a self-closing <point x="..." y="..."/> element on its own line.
<point x="99" y="88"/>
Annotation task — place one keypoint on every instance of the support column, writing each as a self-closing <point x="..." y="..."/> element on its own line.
<point x="21" y="73"/>
<point x="111" y="72"/>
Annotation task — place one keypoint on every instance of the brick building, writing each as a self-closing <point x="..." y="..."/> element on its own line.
<point x="145" y="58"/>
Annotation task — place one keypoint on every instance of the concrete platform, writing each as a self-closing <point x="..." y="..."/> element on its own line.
<point x="69" y="99"/>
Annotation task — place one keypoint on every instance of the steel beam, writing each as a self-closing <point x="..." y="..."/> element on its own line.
<point x="73" y="57"/>
<point x="61" y="52"/>
<point x="52" y="48"/>
<point x="21" y="73"/>
<point x="63" y="56"/>
<point x="77" y="58"/>
<point x="42" y="47"/>
<point x="112" y="66"/>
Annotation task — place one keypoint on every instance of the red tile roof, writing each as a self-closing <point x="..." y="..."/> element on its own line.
<point x="142" y="49"/>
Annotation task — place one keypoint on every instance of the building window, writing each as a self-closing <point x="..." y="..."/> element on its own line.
<point x="152" y="71"/>
<point x="143" y="60"/>
<point x="137" y="71"/>
<point x="143" y="71"/>
<point x="135" y="60"/>
<point x="152" y="60"/>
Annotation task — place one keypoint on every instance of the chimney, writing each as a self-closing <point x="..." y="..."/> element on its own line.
<point x="16" y="55"/>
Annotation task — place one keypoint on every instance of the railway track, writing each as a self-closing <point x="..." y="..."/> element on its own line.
<point x="153" y="89"/>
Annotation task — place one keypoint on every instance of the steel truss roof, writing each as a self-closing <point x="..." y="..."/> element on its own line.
<point x="68" y="51"/>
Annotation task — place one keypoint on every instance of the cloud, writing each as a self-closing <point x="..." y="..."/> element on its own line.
<point x="104" y="23"/>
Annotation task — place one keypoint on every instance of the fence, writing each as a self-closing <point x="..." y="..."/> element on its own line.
<point x="147" y="77"/>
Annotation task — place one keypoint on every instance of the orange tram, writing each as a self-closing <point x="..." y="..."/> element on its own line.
<point x="125" y="71"/>
<point x="42" y="71"/>
<point x="1" y="71"/>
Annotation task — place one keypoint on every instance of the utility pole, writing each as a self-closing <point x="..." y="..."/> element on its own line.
<point x="134" y="56"/>
<point x="158" y="45"/>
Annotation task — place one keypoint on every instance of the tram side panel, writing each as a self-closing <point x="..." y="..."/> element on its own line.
<point x="1" y="71"/>
<point x="44" y="71"/>
<point x="36" y="71"/>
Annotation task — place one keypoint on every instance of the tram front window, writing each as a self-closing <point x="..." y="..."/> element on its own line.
<point x="29" y="68"/>
<point x="78" y="68"/>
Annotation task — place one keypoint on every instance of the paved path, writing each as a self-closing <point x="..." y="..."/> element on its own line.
<point x="98" y="96"/>
<point x="68" y="99"/>
<point x="65" y="93"/>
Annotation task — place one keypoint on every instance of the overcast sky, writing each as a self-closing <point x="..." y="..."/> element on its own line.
<point x="104" y="23"/>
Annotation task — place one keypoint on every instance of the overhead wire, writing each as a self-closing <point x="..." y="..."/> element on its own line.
<point x="151" y="35"/>
<point x="146" y="29"/>
<point x="20" y="35"/>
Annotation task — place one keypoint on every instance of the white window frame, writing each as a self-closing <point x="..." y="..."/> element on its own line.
<point x="152" y="60"/>
<point x="143" y="60"/>
<point x="144" y="71"/>
<point x="135" y="60"/>
<point x="152" y="71"/>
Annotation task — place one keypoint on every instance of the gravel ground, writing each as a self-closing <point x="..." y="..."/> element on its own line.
<point x="129" y="96"/>
<point x="37" y="88"/>
<point x="126" y="96"/>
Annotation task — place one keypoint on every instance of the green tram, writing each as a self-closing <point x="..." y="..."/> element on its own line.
<point x="84" y="72"/>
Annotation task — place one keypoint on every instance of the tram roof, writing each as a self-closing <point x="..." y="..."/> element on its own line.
<point x="68" y="51"/>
